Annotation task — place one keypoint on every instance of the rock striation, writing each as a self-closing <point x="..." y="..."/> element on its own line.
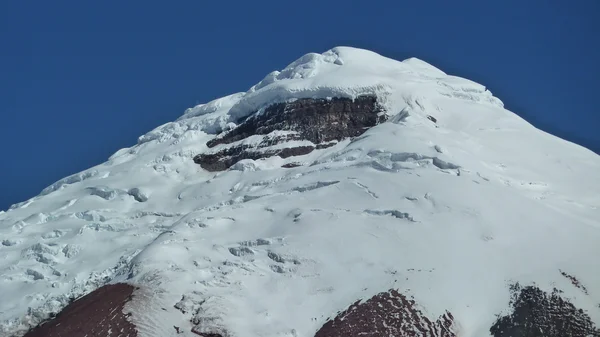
<point x="291" y="129"/>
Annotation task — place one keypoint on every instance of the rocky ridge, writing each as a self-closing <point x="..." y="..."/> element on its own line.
<point x="291" y="129"/>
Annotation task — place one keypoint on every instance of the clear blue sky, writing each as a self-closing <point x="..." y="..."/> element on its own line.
<point x="82" y="79"/>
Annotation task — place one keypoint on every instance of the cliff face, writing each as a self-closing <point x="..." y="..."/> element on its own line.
<point x="292" y="129"/>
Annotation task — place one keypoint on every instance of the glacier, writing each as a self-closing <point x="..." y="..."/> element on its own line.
<point x="449" y="212"/>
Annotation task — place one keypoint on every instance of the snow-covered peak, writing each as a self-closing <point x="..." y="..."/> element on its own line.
<point x="346" y="72"/>
<point x="449" y="201"/>
<point x="342" y="59"/>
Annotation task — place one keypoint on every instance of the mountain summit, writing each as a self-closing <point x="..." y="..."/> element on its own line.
<point x="347" y="194"/>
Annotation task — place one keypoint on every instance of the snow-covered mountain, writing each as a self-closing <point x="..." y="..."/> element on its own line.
<point x="389" y="194"/>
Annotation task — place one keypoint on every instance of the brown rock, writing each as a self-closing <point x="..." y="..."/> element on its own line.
<point x="320" y="121"/>
<point x="99" y="313"/>
<point x="540" y="314"/>
<point x="386" y="314"/>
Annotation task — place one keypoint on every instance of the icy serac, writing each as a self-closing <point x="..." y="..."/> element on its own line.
<point x="420" y="192"/>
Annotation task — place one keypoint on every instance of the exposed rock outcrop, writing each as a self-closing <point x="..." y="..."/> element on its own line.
<point x="535" y="313"/>
<point x="386" y="314"/>
<point x="539" y="314"/>
<point x="304" y="124"/>
<point x="99" y="313"/>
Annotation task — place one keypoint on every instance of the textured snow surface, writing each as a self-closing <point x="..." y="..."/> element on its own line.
<point x="450" y="213"/>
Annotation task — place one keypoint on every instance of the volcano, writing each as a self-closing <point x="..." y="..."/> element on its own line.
<point x="348" y="194"/>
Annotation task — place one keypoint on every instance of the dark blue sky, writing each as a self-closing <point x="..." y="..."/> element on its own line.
<point x="82" y="79"/>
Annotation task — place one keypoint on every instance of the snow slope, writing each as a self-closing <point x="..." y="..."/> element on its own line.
<point x="450" y="213"/>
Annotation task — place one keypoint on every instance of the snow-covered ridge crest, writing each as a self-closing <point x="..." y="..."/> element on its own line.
<point x="343" y="72"/>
